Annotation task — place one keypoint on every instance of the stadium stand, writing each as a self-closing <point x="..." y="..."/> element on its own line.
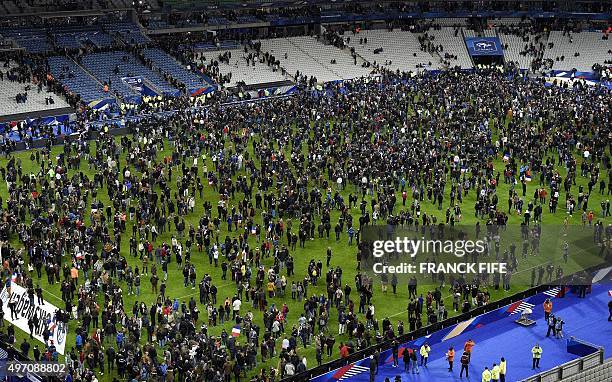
<point x="33" y="40"/>
<point x="68" y="41"/>
<point x="484" y="33"/>
<point x="10" y="7"/>
<point x="297" y="54"/>
<point x="394" y="49"/>
<point x="168" y="65"/>
<point x="111" y="67"/>
<point x="98" y="38"/>
<point x="336" y="60"/>
<point x="36" y="100"/>
<point x="128" y="32"/>
<point x="601" y="372"/>
<point x="242" y="71"/>
<point x="75" y="36"/>
<point x="450" y="21"/>
<point x="70" y="36"/>
<point x="221" y="45"/>
<point x="566" y="51"/>
<point x="16" y="7"/>
<point x="516" y="49"/>
<point x="450" y="45"/>
<point x="76" y="79"/>
<point x="295" y="60"/>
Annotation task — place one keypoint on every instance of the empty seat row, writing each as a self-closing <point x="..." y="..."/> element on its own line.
<point x="577" y="50"/>
<point x="395" y="50"/>
<point x="170" y="66"/>
<point x="112" y="67"/>
<point x="76" y="80"/>
<point x="242" y="71"/>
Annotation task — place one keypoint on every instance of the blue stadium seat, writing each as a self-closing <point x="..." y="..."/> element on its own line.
<point x="69" y="41"/>
<point x="102" y="65"/>
<point x="76" y="79"/>
<point x="169" y="65"/>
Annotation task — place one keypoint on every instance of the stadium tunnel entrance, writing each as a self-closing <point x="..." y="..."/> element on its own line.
<point x="488" y="60"/>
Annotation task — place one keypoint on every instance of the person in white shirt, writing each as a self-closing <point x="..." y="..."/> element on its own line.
<point x="289" y="369"/>
<point x="236" y="308"/>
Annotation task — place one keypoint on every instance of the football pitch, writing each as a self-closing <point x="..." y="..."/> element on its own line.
<point x="343" y="255"/>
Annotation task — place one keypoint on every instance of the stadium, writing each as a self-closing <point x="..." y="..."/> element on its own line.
<point x="321" y="191"/>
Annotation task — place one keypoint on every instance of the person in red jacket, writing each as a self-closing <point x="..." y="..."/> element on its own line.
<point x="344" y="350"/>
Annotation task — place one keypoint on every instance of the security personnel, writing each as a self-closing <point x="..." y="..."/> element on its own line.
<point x="486" y="375"/>
<point x="424" y="351"/>
<point x="495" y="373"/>
<point x="450" y="357"/>
<point x="536" y="353"/>
<point x="502" y="370"/>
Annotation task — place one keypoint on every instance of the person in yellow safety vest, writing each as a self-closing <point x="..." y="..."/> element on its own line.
<point x="424" y="351"/>
<point x="502" y="370"/>
<point x="486" y="375"/>
<point x="495" y="373"/>
<point x="536" y="353"/>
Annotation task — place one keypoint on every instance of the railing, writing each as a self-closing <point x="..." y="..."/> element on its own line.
<point x="570" y="368"/>
<point x="357" y="356"/>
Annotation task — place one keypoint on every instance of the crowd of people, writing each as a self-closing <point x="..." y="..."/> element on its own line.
<point x="242" y="187"/>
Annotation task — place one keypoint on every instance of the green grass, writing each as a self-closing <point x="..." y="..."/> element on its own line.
<point x="387" y="305"/>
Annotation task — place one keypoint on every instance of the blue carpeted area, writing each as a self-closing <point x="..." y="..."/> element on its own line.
<point x="585" y="319"/>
